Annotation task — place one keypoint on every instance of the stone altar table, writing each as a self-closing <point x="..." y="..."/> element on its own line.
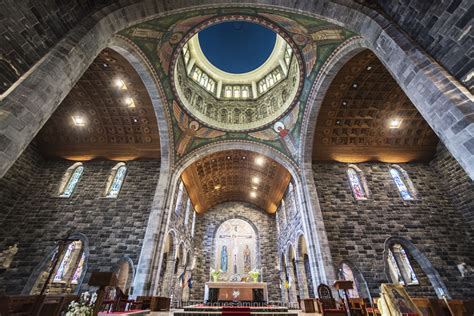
<point x="234" y="291"/>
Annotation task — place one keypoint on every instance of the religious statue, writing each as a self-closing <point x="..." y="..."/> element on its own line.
<point x="224" y="259"/>
<point x="6" y="257"/>
<point x="247" y="260"/>
<point x="464" y="269"/>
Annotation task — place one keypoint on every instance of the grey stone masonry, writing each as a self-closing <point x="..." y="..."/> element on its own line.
<point x="457" y="184"/>
<point x="442" y="28"/>
<point x="36" y="216"/>
<point x="206" y="227"/>
<point x="357" y="230"/>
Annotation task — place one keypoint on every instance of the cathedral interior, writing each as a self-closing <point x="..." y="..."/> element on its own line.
<point x="269" y="153"/>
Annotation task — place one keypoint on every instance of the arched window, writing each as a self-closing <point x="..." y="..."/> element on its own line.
<point x="70" y="179"/>
<point x="186" y="215"/>
<point x="357" y="182"/>
<point x="283" y="211"/>
<point x="347" y="274"/>
<point x="71" y="266"/>
<point x="116" y="180"/>
<point x="245" y="92"/>
<point x="193" y="225"/>
<point x="228" y="92"/>
<point x="197" y="74"/>
<point x="403" y="183"/>
<point x="288" y="53"/>
<point x="179" y="198"/>
<point x="236" y="92"/>
<point x="400" y="267"/>
<point x="186" y="54"/>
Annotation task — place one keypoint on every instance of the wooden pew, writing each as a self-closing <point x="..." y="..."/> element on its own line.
<point x="21" y="305"/>
<point x="357" y="306"/>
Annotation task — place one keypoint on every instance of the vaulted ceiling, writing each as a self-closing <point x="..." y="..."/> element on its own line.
<point x="236" y="175"/>
<point x="354" y="121"/>
<point x="113" y="127"/>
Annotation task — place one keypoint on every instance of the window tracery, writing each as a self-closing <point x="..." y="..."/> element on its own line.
<point x="70" y="268"/>
<point x="73" y="174"/>
<point x="359" y="188"/>
<point x="270" y="80"/>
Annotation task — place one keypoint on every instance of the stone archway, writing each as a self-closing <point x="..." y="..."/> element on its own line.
<point x="439" y="97"/>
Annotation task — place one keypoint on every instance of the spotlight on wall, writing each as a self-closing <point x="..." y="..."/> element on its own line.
<point x="253" y="194"/>
<point x="217" y="187"/>
<point x="256" y="180"/>
<point x="130" y="102"/>
<point x="395" y="123"/>
<point x="78" y="120"/>
<point x="259" y="161"/>
<point x="119" y="83"/>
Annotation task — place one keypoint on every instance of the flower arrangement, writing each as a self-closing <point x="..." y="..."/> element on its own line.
<point x="85" y="306"/>
<point x="254" y="274"/>
<point x="215" y="274"/>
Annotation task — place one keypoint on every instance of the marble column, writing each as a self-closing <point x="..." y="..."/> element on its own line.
<point x="178" y="290"/>
<point x="186" y="290"/>
<point x="166" y="284"/>
<point x="284" y="290"/>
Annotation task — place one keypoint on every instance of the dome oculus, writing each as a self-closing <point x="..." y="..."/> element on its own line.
<point x="237" y="101"/>
<point x="237" y="46"/>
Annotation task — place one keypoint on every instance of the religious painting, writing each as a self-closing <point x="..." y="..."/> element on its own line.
<point x="236" y="249"/>
<point x="396" y="301"/>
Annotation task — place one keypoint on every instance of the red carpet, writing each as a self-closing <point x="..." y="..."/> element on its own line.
<point x="236" y="311"/>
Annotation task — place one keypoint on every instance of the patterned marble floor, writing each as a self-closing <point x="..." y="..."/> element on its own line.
<point x="300" y="313"/>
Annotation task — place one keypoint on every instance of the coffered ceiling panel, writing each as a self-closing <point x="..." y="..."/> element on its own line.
<point x="365" y="116"/>
<point x="108" y="114"/>
<point x="236" y="175"/>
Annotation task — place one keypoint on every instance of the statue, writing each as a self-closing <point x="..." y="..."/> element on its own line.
<point x="464" y="269"/>
<point x="247" y="261"/>
<point x="224" y="259"/>
<point x="6" y="257"/>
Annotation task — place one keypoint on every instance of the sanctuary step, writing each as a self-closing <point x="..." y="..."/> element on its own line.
<point x="126" y="313"/>
<point x="206" y="310"/>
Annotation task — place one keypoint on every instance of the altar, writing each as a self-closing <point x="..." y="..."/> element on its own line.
<point x="236" y="291"/>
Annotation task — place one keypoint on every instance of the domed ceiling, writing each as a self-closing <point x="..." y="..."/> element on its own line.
<point x="236" y="104"/>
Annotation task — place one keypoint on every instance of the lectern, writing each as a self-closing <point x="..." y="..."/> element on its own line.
<point x="345" y="285"/>
<point x="101" y="279"/>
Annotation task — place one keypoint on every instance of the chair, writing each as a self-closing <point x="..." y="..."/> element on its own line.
<point x="357" y="306"/>
<point x="327" y="305"/>
<point x="373" y="310"/>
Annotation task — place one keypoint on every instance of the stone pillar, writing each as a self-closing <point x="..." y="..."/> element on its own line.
<point x="177" y="287"/>
<point x="293" y="300"/>
<point x="166" y="284"/>
<point x="302" y="278"/>
<point x="186" y="290"/>
<point x="284" y="290"/>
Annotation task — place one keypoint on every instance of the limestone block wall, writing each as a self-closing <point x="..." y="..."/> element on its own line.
<point x="442" y="28"/>
<point x="206" y="227"/>
<point x="357" y="230"/>
<point x="35" y="216"/>
<point x="456" y="182"/>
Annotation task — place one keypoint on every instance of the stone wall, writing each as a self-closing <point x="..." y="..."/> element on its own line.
<point x="442" y="28"/>
<point x="457" y="183"/>
<point x="209" y="222"/>
<point x="114" y="227"/>
<point x="357" y="230"/>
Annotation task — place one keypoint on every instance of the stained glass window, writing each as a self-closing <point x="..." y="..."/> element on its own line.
<point x="404" y="265"/>
<point x="186" y="216"/>
<point x="78" y="272"/>
<point x="179" y="199"/>
<point x="356" y="184"/>
<point x="116" y="185"/>
<point x="65" y="263"/>
<point x="72" y="182"/>
<point x="401" y="185"/>
<point x="193" y="226"/>
<point x="348" y="275"/>
<point x="393" y="268"/>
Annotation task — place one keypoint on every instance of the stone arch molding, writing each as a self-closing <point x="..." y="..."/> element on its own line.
<point x="424" y="263"/>
<point x="442" y="100"/>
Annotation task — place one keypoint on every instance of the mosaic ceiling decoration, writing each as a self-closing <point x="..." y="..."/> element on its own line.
<point x="162" y="41"/>
<point x="236" y="175"/>
<point x="108" y="114"/>
<point x="366" y="116"/>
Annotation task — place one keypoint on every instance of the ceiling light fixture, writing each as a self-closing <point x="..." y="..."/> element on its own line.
<point x="355" y="85"/>
<point x="78" y="120"/>
<point x="253" y="194"/>
<point x="256" y="180"/>
<point x="259" y="161"/>
<point x="395" y="123"/>
<point x="119" y="83"/>
<point x="217" y="187"/>
<point x="369" y="68"/>
<point x="130" y="102"/>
